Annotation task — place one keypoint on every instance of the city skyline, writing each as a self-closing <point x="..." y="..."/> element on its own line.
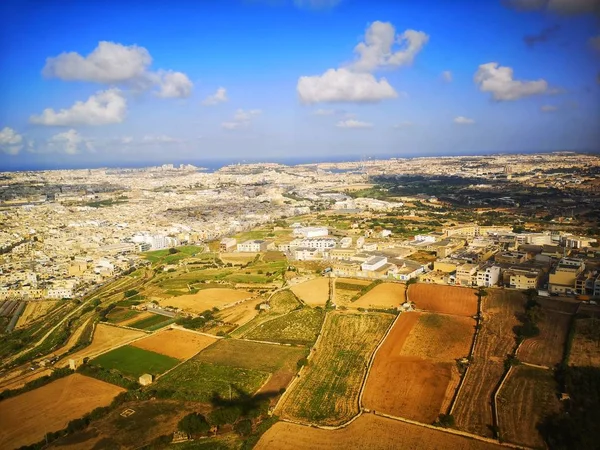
<point x="236" y="80"/>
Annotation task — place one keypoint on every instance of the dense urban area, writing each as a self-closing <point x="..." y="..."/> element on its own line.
<point x="447" y="302"/>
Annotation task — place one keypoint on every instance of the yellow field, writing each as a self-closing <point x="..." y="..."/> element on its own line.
<point x="206" y="299"/>
<point x="34" y="310"/>
<point x="241" y="313"/>
<point x="27" y="417"/>
<point x="175" y="343"/>
<point x="237" y="258"/>
<point x="385" y="295"/>
<point x="313" y="292"/>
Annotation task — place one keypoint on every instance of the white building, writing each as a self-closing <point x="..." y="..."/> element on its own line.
<point x="488" y="276"/>
<point x="252" y="246"/>
<point x="227" y="244"/>
<point x="373" y="263"/>
<point x="311" y="232"/>
<point x="59" y="293"/>
<point x="346" y="242"/>
<point x="307" y="254"/>
<point x="360" y="242"/>
<point x="385" y="233"/>
<point x="320" y="243"/>
<point x="425" y="238"/>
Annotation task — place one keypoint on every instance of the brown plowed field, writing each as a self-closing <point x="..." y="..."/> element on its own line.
<point x="528" y="395"/>
<point x="472" y="410"/>
<point x="26" y="418"/>
<point x="367" y="432"/>
<point x="554" y="304"/>
<point x="34" y="310"/>
<point x="206" y="299"/>
<point x="444" y="299"/>
<point x="585" y="350"/>
<point x="547" y="348"/>
<point x="385" y="295"/>
<point x="175" y="343"/>
<point x="105" y="338"/>
<point x="414" y="373"/>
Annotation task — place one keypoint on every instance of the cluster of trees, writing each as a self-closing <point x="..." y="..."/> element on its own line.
<point x="197" y="322"/>
<point x="533" y="314"/>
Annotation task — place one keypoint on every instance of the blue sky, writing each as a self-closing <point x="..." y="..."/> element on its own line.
<point x="432" y="77"/>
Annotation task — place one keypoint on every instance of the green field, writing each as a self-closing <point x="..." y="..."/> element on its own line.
<point x="152" y="323"/>
<point x="297" y="327"/>
<point x="281" y="303"/>
<point x="327" y="392"/>
<point x="199" y="381"/>
<point x="252" y="355"/>
<point x="133" y="361"/>
<point x="183" y="252"/>
<point x="120" y="314"/>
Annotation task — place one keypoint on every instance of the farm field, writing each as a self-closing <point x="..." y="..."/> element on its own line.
<point x="281" y="303"/>
<point x="237" y="258"/>
<point x="152" y="322"/>
<point x="526" y="398"/>
<point x="105" y="338"/>
<point x="585" y="350"/>
<point x="34" y="310"/>
<point x="313" y="292"/>
<point x="26" y="418"/>
<point x="385" y="295"/>
<point x="120" y="314"/>
<point x="140" y="316"/>
<point x="347" y="288"/>
<point x="206" y="299"/>
<point x="175" y="343"/>
<point x="281" y="361"/>
<point x="367" y="432"/>
<point x="133" y="361"/>
<point x="327" y="391"/>
<point x="241" y="313"/>
<point x="299" y="327"/>
<point x="420" y="350"/>
<point x="443" y="299"/>
<point x="472" y="409"/>
<point x="562" y="305"/>
<point x="72" y="341"/>
<point x="547" y="348"/>
<point x="199" y="381"/>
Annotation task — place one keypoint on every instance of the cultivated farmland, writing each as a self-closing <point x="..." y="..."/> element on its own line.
<point x="347" y="288"/>
<point x="241" y="313"/>
<point x="585" y="350"/>
<point x="547" y="348"/>
<point x="444" y="299"/>
<point x="26" y="418"/>
<point x="472" y="409"/>
<point x="327" y="391"/>
<point x="206" y="299"/>
<point x="414" y="373"/>
<point x="385" y="295"/>
<point x="35" y="310"/>
<point x="281" y="303"/>
<point x="152" y="322"/>
<point x="133" y="362"/>
<point x="314" y="292"/>
<point x="120" y="314"/>
<point x="299" y="327"/>
<point x="528" y="396"/>
<point x="175" y="343"/>
<point x="105" y="338"/>
<point x="367" y="432"/>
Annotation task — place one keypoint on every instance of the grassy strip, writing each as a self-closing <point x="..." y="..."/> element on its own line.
<point x="349" y="286"/>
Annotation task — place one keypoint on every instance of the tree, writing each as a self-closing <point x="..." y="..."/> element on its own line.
<point x="243" y="427"/>
<point x="193" y="424"/>
<point x="172" y="251"/>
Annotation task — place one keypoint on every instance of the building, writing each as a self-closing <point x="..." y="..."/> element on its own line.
<point x="466" y="274"/>
<point x="373" y="263"/>
<point x="227" y="245"/>
<point x="564" y="276"/>
<point x="511" y="257"/>
<point x="252" y="246"/>
<point x="522" y="278"/>
<point x="311" y="232"/>
<point x="346" y="242"/>
<point x="307" y="253"/>
<point x="145" y="379"/>
<point x="488" y="276"/>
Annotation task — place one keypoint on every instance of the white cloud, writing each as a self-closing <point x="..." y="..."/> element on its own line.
<point x="447" y="76"/>
<point x="316" y="4"/>
<point x="595" y="43"/>
<point x="114" y="63"/>
<point x="565" y="7"/>
<point x="174" y="85"/>
<point x="461" y="120"/>
<point x="104" y="107"/>
<point x="405" y="124"/>
<point x="218" y="97"/>
<point x="352" y="123"/>
<point x="10" y="141"/>
<point x="241" y="118"/>
<point x="160" y="139"/>
<point x="377" y="52"/>
<point x="342" y="85"/>
<point x="108" y="63"/>
<point x="69" y="142"/>
<point x="499" y="81"/>
<point x="549" y="108"/>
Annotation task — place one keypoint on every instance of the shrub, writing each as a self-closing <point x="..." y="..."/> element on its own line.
<point x="193" y="424"/>
<point x="173" y="251"/>
<point x="243" y="427"/>
<point x="222" y="416"/>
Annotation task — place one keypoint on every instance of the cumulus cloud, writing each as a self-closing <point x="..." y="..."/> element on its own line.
<point x="242" y="118"/>
<point x="377" y="52"/>
<point x="114" y="63"/>
<point x="342" y="85"/>
<point x="447" y="76"/>
<point x="102" y="108"/>
<point x="564" y="7"/>
<point x="461" y="120"/>
<point x="352" y="123"/>
<point x="218" y="97"/>
<point x="69" y="142"/>
<point x="316" y="4"/>
<point x="174" y="85"/>
<point x="543" y="36"/>
<point x="549" y="108"/>
<point x="498" y="80"/>
<point x="10" y="141"/>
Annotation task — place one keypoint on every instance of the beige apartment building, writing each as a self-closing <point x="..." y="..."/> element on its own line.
<point x="564" y="276"/>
